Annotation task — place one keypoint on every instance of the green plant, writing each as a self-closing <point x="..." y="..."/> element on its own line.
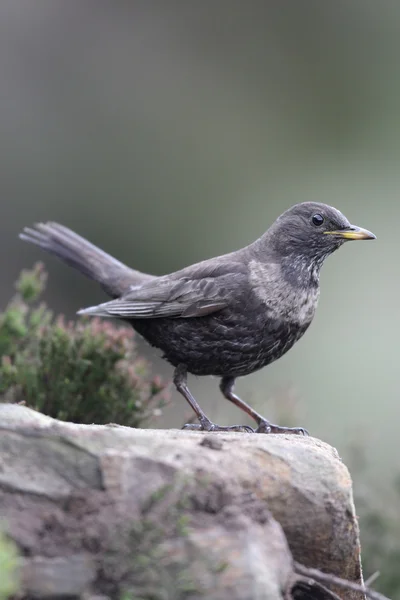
<point x="86" y="372"/>
<point x="161" y="561"/>
<point x="379" y="523"/>
<point x="8" y="568"/>
<point x="159" y="554"/>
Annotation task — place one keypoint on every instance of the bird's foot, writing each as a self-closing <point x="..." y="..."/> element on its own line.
<point x="209" y="426"/>
<point x="267" y="427"/>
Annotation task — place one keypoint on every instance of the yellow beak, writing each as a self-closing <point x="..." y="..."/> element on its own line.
<point x="353" y="233"/>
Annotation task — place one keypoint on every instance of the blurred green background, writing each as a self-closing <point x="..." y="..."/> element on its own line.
<point x="168" y="132"/>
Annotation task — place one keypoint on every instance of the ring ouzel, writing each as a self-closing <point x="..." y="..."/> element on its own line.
<point x="227" y="316"/>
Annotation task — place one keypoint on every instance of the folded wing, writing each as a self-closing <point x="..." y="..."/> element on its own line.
<point x="166" y="297"/>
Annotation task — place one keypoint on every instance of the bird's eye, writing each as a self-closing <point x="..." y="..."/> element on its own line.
<point x="317" y="220"/>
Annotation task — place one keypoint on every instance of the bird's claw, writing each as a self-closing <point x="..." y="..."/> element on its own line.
<point x="210" y="427"/>
<point x="263" y="427"/>
<point x="266" y="427"/>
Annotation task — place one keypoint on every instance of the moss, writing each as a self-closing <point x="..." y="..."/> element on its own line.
<point x="8" y="568"/>
<point x="162" y="562"/>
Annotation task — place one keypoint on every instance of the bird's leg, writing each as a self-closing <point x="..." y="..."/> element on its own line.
<point x="180" y="381"/>
<point x="227" y="386"/>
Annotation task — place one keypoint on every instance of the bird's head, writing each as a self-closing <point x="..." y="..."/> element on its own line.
<point x="311" y="231"/>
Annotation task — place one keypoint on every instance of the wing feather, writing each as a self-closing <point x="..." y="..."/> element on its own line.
<point x="182" y="298"/>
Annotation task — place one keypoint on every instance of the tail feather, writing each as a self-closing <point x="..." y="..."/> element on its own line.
<point x="76" y="251"/>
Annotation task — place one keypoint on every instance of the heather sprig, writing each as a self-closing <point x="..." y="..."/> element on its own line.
<point x="86" y="371"/>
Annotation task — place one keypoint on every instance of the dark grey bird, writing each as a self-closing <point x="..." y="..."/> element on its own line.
<point x="226" y="316"/>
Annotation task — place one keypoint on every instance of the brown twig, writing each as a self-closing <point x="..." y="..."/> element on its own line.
<point x="344" y="583"/>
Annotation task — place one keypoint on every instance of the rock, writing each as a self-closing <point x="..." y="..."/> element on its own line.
<point x="103" y="510"/>
<point x="62" y="577"/>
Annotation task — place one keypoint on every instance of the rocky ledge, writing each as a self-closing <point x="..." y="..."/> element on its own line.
<point x="137" y="513"/>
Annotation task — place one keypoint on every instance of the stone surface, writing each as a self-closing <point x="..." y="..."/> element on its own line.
<point x="113" y="509"/>
<point x="63" y="577"/>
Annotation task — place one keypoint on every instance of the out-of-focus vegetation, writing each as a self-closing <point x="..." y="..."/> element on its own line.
<point x="379" y="523"/>
<point x="86" y="372"/>
<point x="8" y="568"/>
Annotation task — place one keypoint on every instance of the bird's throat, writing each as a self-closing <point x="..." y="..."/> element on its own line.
<point x="289" y="292"/>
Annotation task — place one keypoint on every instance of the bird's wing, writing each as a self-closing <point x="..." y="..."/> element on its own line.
<point x="168" y="296"/>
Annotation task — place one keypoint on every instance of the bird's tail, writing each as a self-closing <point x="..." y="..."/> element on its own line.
<point x="114" y="276"/>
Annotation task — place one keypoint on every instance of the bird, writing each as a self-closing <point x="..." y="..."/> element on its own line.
<point x="226" y="316"/>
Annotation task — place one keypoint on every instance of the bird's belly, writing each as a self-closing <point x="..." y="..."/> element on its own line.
<point x="221" y="346"/>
